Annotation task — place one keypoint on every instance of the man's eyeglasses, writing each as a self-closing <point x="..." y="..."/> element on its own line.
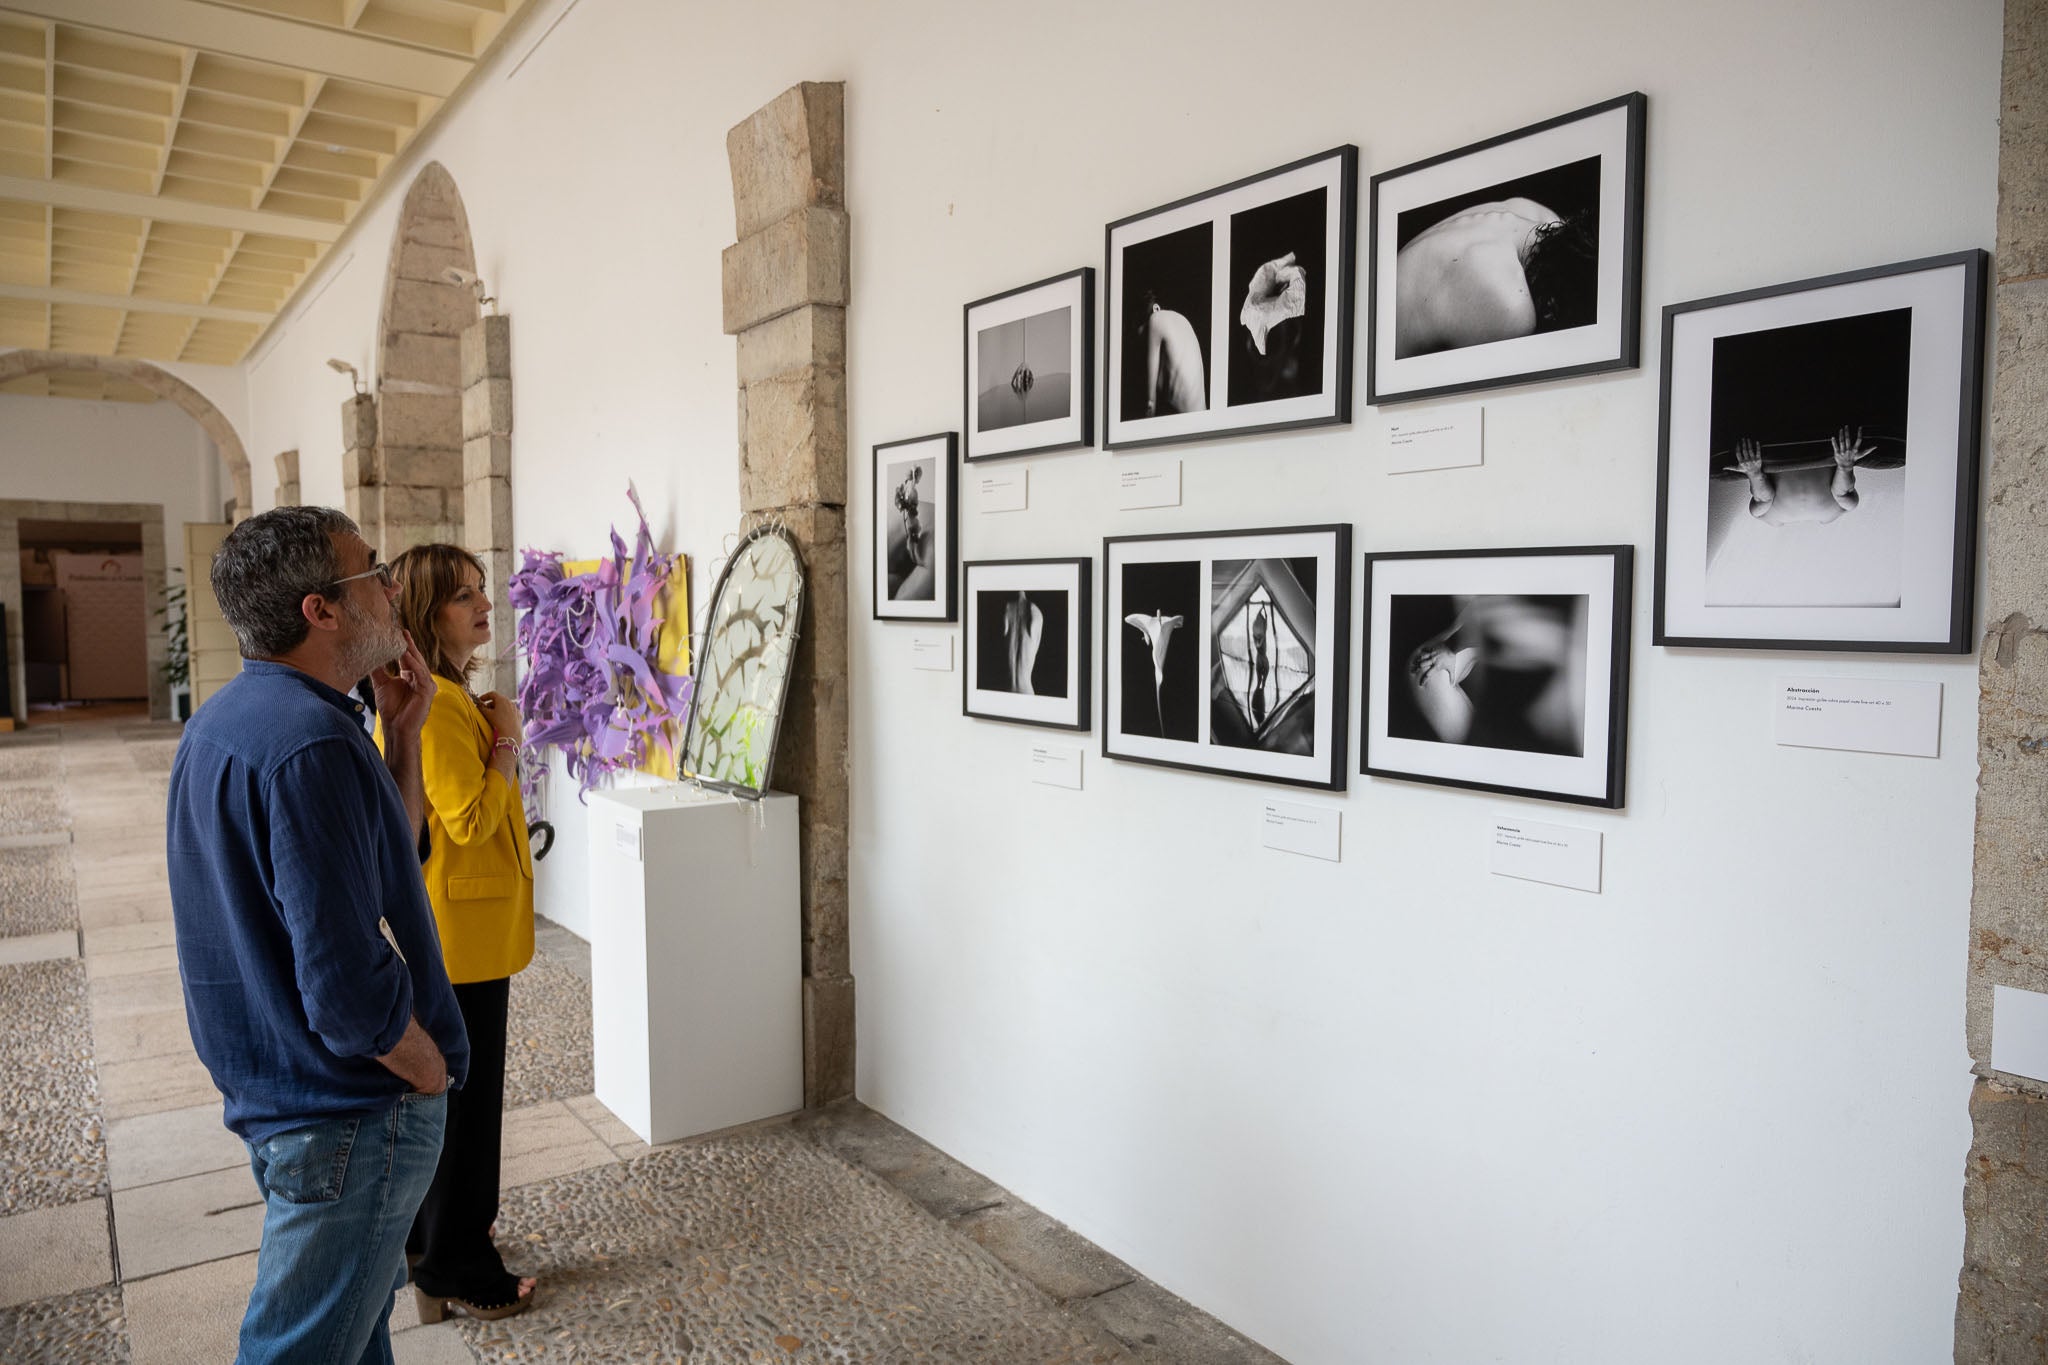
<point x="381" y="572"/>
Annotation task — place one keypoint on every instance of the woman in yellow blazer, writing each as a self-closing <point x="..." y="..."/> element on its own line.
<point x="479" y="875"/>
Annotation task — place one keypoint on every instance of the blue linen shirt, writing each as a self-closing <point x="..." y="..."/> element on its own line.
<point x="290" y="851"/>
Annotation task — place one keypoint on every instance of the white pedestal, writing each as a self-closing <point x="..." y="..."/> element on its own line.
<point x="695" y="961"/>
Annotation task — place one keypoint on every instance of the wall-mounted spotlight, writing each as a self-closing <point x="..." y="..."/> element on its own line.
<point x="470" y="280"/>
<point x="343" y="367"/>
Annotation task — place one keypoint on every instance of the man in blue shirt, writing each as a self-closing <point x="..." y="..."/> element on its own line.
<point x="314" y="985"/>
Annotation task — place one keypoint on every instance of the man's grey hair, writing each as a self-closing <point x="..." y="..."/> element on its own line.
<point x="265" y="568"/>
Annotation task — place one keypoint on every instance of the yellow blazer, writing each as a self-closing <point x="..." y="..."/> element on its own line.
<point x="479" y="870"/>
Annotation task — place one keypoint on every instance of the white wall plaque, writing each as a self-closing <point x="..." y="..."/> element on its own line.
<point x="1001" y="490"/>
<point x="1875" y="715"/>
<point x="934" y="652"/>
<point x="1294" y="828"/>
<point x="1147" y="481"/>
<point x="1435" y="440"/>
<point x="1056" y="765"/>
<point x="1558" y="854"/>
<point x="2019" y="1032"/>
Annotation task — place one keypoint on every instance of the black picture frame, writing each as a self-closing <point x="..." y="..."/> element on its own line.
<point x="1574" y="325"/>
<point x="1556" y="734"/>
<point x="901" y="593"/>
<point x="1050" y="320"/>
<point x="1876" y="557"/>
<point x="1218" y="705"/>
<point x="1058" y="592"/>
<point x="1259" y="372"/>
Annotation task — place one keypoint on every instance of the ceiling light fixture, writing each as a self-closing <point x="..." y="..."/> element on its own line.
<point x="343" y="367"/>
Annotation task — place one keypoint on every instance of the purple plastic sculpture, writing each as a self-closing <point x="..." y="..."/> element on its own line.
<point x="594" y="687"/>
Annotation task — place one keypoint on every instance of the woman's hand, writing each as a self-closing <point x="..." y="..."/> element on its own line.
<point x="504" y="716"/>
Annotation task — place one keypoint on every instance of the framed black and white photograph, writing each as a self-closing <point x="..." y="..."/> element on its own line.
<point x="1229" y="652"/>
<point x="1030" y="367"/>
<point x="1231" y="311"/>
<point x="1027" y="641"/>
<point x="1817" y="462"/>
<point x="916" y="528"/>
<point x="1511" y="260"/>
<point x="1499" y="670"/>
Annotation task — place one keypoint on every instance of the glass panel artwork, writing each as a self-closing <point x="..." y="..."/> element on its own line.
<point x="743" y="668"/>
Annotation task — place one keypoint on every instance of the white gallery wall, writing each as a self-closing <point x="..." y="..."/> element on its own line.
<point x="1390" y="1109"/>
<point x="74" y="450"/>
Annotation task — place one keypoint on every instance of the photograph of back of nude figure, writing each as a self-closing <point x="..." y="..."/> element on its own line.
<point x="1500" y="671"/>
<point x="1166" y="287"/>
<point x="1806" y="463"/>
<point x="1506" y="260"/>
<point x="1021" y="642"/>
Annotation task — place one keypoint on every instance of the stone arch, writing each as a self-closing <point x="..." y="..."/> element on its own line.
<point x="196" y="405"/>
<point x="412" y="492"/>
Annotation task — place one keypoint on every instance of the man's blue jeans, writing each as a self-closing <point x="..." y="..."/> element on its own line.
<point x="339" y="1197"/>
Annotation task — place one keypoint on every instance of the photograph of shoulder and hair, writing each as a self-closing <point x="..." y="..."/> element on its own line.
<point x="1817" y="476"/>
<point x="1502" y="670"/>
<point x="1030" y="363"/>
<point x="315" y="984"/>
<point x="1231" y="311"/>
<point x="1229" y="652"/>
<point x="1027" y="641"/>
<point x="1510" y="260"/>
<point x="916" y="509"/>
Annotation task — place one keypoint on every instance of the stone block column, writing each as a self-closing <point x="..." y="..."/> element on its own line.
<point x="2002" y="1304"/>
<point x="362" y="492"/>
<point x="785" y="296"/>
<point x="287" y="479"/>
<point x="487" y="476"/>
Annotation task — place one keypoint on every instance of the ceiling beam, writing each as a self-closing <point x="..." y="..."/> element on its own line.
<point x="128" y="303"/>
<point x="259" y="37"/>
<point x="88" y="199"/>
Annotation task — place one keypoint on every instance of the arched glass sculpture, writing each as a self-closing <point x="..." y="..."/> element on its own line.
<point x="743" y="665"/>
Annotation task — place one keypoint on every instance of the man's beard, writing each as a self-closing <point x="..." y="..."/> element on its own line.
<point x="375" y="638"/>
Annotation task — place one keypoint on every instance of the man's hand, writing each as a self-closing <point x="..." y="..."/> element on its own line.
<point x="405" y="692"/>
<point x="417" y="1061"/>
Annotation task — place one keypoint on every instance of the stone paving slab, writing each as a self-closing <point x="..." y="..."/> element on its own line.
<point x="142" y="907"/>
<point x="171" y="1145"/>
<point x="189" y="1316"/>
<point x="38" y="947"/>
<point x="180" y="1223"/>
<point x="121" y="938"/>
<point x="50" y="1148"/>
<point x="37" y="892"/>
<point x="150" y="1085"/>
<point x="140" y="1034"/>
<point x="86" y="1328"/>
<point x="760" y="1247"/>
<point x="130" y="961"/>
<point x="31" y="809"/>
<point x="54" y="1251"/>
<point x="544" y="1141"/>
<point x="547" y="1035"/>
<point x="152" y="755"/>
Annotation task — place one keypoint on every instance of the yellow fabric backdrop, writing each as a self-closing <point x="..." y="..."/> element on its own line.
<point x="673" y="652"/>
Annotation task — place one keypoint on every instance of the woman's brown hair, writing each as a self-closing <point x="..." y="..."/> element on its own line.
<point x="428" y="577"/>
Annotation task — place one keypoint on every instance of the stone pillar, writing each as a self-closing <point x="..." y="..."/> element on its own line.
<point x="362" y="493"/>
<point x="487" y="475"/>
<point x="2002" y="1306"/>
<point x="287" y="479"/>
<point x="785" y="293"/>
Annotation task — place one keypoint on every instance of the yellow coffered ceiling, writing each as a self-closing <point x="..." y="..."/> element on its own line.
<point x="170" y="170"/>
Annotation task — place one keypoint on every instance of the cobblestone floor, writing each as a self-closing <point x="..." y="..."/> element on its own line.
<point x="38" y="894"/>
<point x="31" y="809"/>
<point x="17" y="765"/>
<point x="547" y="1034"/>
<point x="86" y="1328"/>
<point x="51" y="1150"/>
<point x="761" y="1247"/>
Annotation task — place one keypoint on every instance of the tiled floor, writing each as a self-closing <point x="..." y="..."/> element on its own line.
<point x="129" y="1221"/>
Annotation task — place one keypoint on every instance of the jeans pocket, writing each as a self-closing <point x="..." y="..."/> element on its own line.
<point x="308" y="1165"/>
